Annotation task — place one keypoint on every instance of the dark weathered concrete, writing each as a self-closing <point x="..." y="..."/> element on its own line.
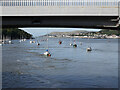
<point x="109" y="22"/>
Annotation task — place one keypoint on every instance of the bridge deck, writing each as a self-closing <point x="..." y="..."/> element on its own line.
<point x="97" y="14"/>
<point x="58" y="8"/>
<point x="58" y="11"/>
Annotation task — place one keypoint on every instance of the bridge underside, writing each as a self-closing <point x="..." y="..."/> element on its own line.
<point x="98" y="22"/>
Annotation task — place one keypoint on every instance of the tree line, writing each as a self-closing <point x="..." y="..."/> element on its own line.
<point x="110" y="32"/>
<point x="14" y="33"/>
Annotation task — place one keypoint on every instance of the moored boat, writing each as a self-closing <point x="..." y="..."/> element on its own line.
<point x="47" y="53"/>
<point x="89" y="49"/>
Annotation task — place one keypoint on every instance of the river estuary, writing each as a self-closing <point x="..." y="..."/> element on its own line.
<point x="25" y="66"/>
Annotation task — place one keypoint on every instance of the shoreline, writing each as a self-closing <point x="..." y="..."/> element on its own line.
<point x="87" y="37"/>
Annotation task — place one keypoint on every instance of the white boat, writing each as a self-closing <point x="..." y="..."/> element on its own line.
<point x="89" y="49"/>
<point x="31" y="41"/>
<point x="47" y="53"/>
<point x="24" y="39"/>
<point x="71" y="41"/>
<point x="71" y="44"/>
<point x="10" y="42"/>
<point x="74" y="45"/>
<point x="38" y="44"/>
<point x="20" y="40"/>
<point x="3" y="42"/>
<point x="34" y="42"/>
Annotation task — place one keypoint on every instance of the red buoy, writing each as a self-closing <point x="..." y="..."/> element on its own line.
<point x="60" y="42"/>
<point x="49" y="54"/>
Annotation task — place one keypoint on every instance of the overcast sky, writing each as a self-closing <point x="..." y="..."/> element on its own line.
<point x="42" y="31"/>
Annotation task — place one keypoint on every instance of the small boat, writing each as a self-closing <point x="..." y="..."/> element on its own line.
<point x="75" y="45"/>
<point x="34" y="42"/>
<point x="71" y="44"/>
<point x="31" y="41"/>
<point x="3" y="42"/>
<point x="24" y="39"/>
<point x="89" y="49"/>
<point x="47" y="53"/>
<point x="38" y="43"/>
<point x="20" y="41"/>
<point x="60" y="42"/>
<point x="10" y="42"/>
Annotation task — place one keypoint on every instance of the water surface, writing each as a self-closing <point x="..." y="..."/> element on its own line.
<point x="24" y="66"/>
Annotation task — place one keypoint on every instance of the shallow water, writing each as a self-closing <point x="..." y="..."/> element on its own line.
<point x="25" y="66"/>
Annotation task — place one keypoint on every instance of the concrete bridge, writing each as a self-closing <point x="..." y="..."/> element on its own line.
<point x="60" y="13"/>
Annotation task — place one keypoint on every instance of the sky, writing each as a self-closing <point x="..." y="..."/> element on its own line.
<point x="42" y="31"/>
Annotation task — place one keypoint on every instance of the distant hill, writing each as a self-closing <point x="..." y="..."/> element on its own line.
<point x="68" y="33"/>
<point x="110" y="32"/>
<point x="83" y="32"/>
<point x="14" y="33"/>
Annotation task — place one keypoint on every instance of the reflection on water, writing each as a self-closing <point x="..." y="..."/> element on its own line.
<point x="25" y="66"/>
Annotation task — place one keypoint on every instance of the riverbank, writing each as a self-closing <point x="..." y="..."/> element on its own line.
<point x="88" y="37"/>
<point x="102" y="34"/>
